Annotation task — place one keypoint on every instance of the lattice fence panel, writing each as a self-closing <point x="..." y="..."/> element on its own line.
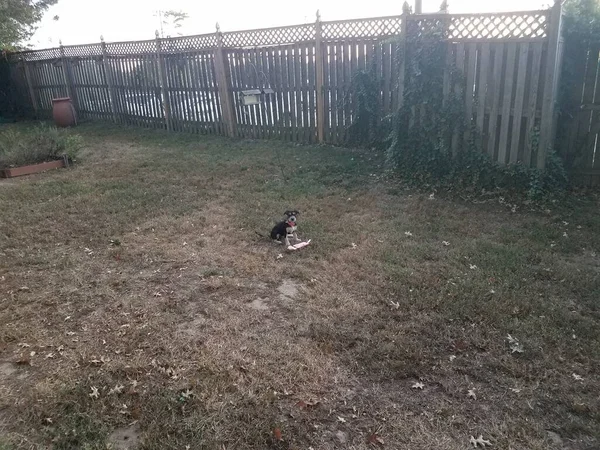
<point x="131" y="48"/>
<point x="83" y="50"/>
<point x="189" y="43"/>
<point x="270" y="36"/>
<point x="37" y="55"/>
<point x="485" y="26"/>
<point x="375" y="28"/>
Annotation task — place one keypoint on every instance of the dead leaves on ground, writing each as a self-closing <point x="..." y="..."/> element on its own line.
<point x="375" y="440"/>
<point x="479" y="442"/>
<point x="307" y="404"/>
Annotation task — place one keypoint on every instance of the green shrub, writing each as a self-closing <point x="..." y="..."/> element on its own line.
<point x="36" y="145"/>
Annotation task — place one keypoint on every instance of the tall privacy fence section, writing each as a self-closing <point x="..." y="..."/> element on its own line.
<point x="299" y="78"/>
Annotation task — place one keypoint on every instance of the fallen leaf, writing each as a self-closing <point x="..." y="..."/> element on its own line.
<point x="354" y="245"/>
<point x="95" y="393"/>
<point x="471" y="394"/>
<point x="304" y="404"/>
<point x="577" y="377"/>
<point x="472" y="266"/>
<point x="479" y="441"/>
<point x="375" y="440"/>
<point x="341" y="419"/>
<point x="23" y="345"/>
<point x="452" y="358"/>
<point x="408" y="233"/>
<point x="432" y="196"/>
<point x="118" y="389"/>
<point x="514" y="344"/>
<point x="445" y="243"/>
<point x="50" y="356"/>
<point x="515" y="390"/>
<point x="280" y="256"/>
<point x="396" y="305"/>
<point x="277" y="434"/>
<point x="187" y="394"/>
<point x="418" y="385"/>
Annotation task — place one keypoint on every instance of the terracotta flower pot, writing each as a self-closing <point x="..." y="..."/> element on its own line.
<point x="63" y="112"/>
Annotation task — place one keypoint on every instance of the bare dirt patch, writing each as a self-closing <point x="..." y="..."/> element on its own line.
<point x="125" y="438"/>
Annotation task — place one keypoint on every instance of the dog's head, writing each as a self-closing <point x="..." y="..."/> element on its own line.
<point x="291" y="216"/>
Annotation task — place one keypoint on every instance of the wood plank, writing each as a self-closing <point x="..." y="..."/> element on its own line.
<point x="286" y="86"/>
<point x="551" y="75"/>
<point x="386" y="76"/>
<point x="471" y="67"/>
<point x="587" y="116"/>
<point x="298" y="91"/>
<point x="338" y="105"/>
<point x="305" y="100"/>
<point x="205" y="93"/>
<point x="580" y="55"/>
<point x="312" y="129"/>
<point x="348" y="47"/>
<point x="328" y="71"/>
<point x="459" y="89"/>
<point x="195" y="96"/>
<point x="509" y="77"/>
<point x="264" y="106"/>
<point x="482" y="92"/>
<point x="496" y="87"/>
<point x="290" y="57"/>
<point x="277" y="86"/>
<point x="519" y="98"/>
<point x="533" y="103"/>
<point x="361" y="60"/>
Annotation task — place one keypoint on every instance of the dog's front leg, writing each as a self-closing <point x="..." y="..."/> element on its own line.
<point x="287" y="241"/>
<point x="296" y="237"/>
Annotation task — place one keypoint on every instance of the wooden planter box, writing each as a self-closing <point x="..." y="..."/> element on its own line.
<point x="34" y="168"/>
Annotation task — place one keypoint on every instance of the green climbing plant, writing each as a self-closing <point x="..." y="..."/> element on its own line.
<point x="428" y="140"/>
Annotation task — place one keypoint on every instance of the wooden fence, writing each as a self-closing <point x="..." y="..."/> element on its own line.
<point x="581" y="140"/>
<point x="510" y="63"/>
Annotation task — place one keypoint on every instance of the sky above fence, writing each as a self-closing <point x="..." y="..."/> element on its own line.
<point x="84" y="21"/>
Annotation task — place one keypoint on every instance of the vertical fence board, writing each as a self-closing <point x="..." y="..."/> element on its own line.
<point x="507" y="102"/>
<point x="495" y="101"/>
<point x="482" y="89"/>
<point x="533" y="105"/>
<point x="519" y="98"/>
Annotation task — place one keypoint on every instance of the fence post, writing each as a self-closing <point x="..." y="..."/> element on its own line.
<point x="30" y="87"/>
<point x="66" y="75"/>
<point x="109" y="81"/>
<point x="320" y="81"/>
<point x="162" y="79"/>
<point x="547" y="123"/>
<point x="223" y="78"/>
<point x="402" y="44"/>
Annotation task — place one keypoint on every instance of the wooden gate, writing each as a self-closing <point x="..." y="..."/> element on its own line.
<point x="582" y="148"/>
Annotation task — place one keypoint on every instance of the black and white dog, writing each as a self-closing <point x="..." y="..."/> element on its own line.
<point x="286" y="228"/>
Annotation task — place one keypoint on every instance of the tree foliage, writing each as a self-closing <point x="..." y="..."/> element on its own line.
<point x="172" y="21"/>
<point x="18" y="19"/>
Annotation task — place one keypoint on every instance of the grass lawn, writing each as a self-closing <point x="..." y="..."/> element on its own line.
<point x="139" y="308"/>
